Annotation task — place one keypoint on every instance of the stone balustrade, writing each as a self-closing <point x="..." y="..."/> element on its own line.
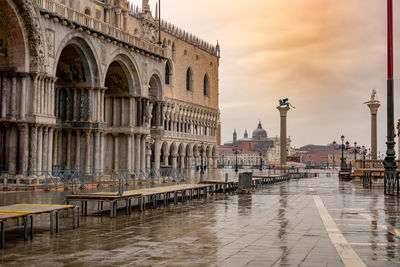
<point x="99" y="26"/>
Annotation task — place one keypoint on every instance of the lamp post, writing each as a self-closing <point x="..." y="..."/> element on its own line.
<point x="342" y="147"/>
<point x="334" y="147"/>
<point x="390" y="159"/>
<point x="236" y="152"/>
<point x="261" y="161"/>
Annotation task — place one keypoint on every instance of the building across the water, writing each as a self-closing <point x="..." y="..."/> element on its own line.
<point x="97" y="85"/>
<point x="251" y="150"/>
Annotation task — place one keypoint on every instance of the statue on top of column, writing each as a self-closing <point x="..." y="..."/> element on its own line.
<point x="373" y="98"/>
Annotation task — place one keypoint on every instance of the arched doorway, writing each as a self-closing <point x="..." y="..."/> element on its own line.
<point x="76" y="99"/>
<point x="123" y="149"/>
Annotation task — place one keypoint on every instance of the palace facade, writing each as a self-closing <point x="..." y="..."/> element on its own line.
<point x="87" y="84"/>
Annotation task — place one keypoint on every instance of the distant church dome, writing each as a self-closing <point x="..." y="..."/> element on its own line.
<point x="259" y="133"/>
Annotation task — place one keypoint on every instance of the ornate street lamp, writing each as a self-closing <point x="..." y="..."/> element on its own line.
<point x="390" y="159"/>
<point x="236" y="152"/>
<point x="261" y="161"/>
<point x="334" y="148"/>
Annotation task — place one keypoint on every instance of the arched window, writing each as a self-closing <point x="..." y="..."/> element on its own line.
<point x="206" y="85"/>
<point x="168" y="73"/>
<point x="189" y="79"/>
<point x="87" y="11"/>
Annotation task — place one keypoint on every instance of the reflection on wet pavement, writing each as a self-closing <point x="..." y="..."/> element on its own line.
<point x="274" y="225"/>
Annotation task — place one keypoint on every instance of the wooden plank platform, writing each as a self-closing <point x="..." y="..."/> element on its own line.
<point x="152" y="194"/>
<point x="219" y="182"/>
<point x="26" y="212"/>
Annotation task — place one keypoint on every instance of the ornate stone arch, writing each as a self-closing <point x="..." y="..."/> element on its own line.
<point x="155" y="86"/>
<point x="36" y="36"/>
<point x="86" y="51"/>
<point x="130" y="69"/>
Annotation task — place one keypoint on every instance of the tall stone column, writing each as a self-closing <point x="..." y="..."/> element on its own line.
<point x="13" y="99"/>
<point x="143" y="153"/>
<point x="21" y="148"/>
<point x="96" y="151"/>
<point x="148" y="158"/>
<point x="115" y="164"/>
<point x="183" y="161"/>
<point x="40" y="149"/>
<point x="50" y="149"/>
<point x="133" y="151"/>
<point x="4" y="87"/>
<point x="23" y="98"/>
<point x="129" y="152"/>
<point x="137" y="152"/>
<point x="69" y="148"/>
<point x="6" y="147"/>
<point x="45" y="152"/>
<point x="88" y="146"/>
<point x="78" y="149"/>
<point x="215" y="163"/>
<point x="157" y="154"/>
<point x="33" y="148"/>
<point x="139" y="112"/>
<point x="283" y="113"/>
<point x="174" y="161"/>
<point x="373" y="107"/>
<point x="101" y="166"/>
<point x="55" y="147"/>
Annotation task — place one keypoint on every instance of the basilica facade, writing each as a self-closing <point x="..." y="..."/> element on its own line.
<point x="102" y="84"/>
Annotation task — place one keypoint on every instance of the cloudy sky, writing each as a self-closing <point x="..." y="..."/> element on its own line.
<point x="326" y="56"/>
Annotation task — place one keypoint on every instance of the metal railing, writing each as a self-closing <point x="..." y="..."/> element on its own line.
<point x="98" y="25"/>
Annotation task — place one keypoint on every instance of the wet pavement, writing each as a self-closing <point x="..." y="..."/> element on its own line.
<point x="308" y="222"/>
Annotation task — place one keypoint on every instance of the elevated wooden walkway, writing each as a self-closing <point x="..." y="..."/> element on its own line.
<point x="26" y="212"/>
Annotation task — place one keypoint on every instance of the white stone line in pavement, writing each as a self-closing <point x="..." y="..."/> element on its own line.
<point x="388" y="228"/>
<point x="375" y="244"/>
<point x="343" y="248"/>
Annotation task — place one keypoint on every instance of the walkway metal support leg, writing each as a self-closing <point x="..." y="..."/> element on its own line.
<point x="57" y="221"/>
<point x="52" y="222"/>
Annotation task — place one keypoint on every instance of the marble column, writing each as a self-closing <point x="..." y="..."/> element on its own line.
<point x="33" y="142"/>
<point x="50" y="149"/>
<point x="35" y="97"/>
<point x="78" y="149"/>
<point x="373" y="107"/>
<point x="143" y="153"/>
<point x="40" y="149"/>
<point x="101" y="167"/>
<point x="23" y="98"/>
<point x="45" y="148"/>
<point x="182" y="161"/>
<point x="157" y="154"/>
<point x="21" y="148"/>
<point x="215" y="163"/>
<point x="283" y="114"/>
<point x="60" y="148"/>
<point x="174" y="161"/>
<point x="122" y="112"/>
<point x="55" y="147"/>
<point x="87" y="158"/>
<point x="129" y="151"/>
<point x="69" y="148"/>
<point x="6" y="147"/>
<point x="4" y="87"/>
<point x="115" y="111"/>
<point x="13" y="101"/>
<point x="148" y="158"/>
<point x="133" y="144"/>
<point x="166" y="159"/>
<point x="130" y="113"/>
<point x="115" y="163"/>
<point x="137" y="152"/>
<point x="139" y="112"/>
<point x="90" y="105"/>
<point x="96" y="151"/>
